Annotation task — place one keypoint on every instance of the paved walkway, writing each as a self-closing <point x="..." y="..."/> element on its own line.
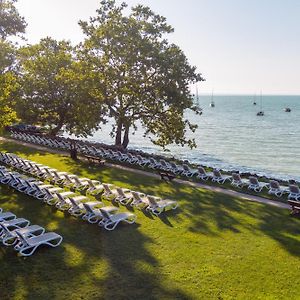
<point x="181" y="181"/>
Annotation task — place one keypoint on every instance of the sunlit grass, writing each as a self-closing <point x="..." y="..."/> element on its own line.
<point x="213" y="247"/>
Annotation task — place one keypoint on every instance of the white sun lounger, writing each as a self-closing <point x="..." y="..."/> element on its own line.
<point x="28" y="245"/>
<point x="255" y="185"/>
<point x="294" y="192"/>
<point x="157" y="205"/>
<point x="237" y="181"/>
<point x="110" y="221"/>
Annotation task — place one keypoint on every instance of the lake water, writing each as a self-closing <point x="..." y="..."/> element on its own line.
<point x="231" y="136"/>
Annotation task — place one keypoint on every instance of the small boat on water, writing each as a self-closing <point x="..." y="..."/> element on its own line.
<point x="261" y="112"/>
<point x="212" y="103"/>
<point x="287" y="109"/>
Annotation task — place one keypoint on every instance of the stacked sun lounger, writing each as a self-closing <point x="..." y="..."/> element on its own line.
<point x="24" y="237"/>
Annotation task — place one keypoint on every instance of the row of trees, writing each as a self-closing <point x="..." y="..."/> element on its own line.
<point x="125" y="69"/>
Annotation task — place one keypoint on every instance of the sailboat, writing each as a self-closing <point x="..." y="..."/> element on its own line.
<point x="260" y="113"/>
<point x="254" y="101"/>
<point x="212" y="103"/>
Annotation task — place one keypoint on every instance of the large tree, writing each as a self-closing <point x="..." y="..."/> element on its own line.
<point x="11" y="24"/>
<point x="55" y="89"/>
<point x="144" y="78"/>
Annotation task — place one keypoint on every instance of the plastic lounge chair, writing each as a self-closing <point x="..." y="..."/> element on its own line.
<point x="157" y="205"/>
<point x="109" y="194"/>
<point x="109" y="222"/>
<point x="9" y="237"/>
<point x="13" y="224"/>
<point x="89" y="208"/>
<point x="95" y="187"/>
<point x="219" y="178"/>
<point x="237" y="181"/>
<point x="53" y="197"/>
<point x="255" y="185"/>
<point x="294" y="192"/>
<point x="63" y="200"/>
<point x="30" y="244"/>
<point x="276" y="189"/>
<point x="6" y="216"/>
<point x="139" y="200"/>
<point x="202" y="174"/>
<point x="94" y="215"/>
<point x="124" y="196"/>
<point x="81" y="184"/>
<point x="77" y="208"/>
<point x="187" y="171"/>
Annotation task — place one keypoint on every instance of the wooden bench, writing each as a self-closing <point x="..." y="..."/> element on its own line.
<point x="166" y="175"/>
<point x="295" y="206"/>
<point x="94" y="159"/>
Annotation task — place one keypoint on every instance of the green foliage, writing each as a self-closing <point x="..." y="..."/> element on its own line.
<point x="11" y="23"/>
<point x="55" y="89"/>
<point x="145" y="78"/>
<point x="8" y="84"/>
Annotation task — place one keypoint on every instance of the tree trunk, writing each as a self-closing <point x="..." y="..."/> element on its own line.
<point x="126" y="138"/>
<point x="55" y="130"/>
<point x="73" y="150"/>
<point x="118" y="139"/>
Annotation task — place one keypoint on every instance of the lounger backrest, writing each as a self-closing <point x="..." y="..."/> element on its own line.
<point x="236" y="177"/>
<point x="105" y="214"/>
<point x="274" y="184"/>
<point x="253" y="180"/>
<point x="106" y="187"/>
<point x="294" y="189"/>
<point x="88" y="208"/>
<point x="21" y="238"/>
<point x="91" y="184"/>
<point x="186" y="167"/>
<point x="77" y="180"/>
<point x="152" y="200"/>
<point x="217" y="173"/>
<point x="120" y="191"/>
<point x="4" y="228"/>
<point x="73" y="202"/>
<point x="61" y="198"/>
<point x="135" y="195"/>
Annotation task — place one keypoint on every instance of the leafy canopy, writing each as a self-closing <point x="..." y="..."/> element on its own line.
<point x="55" y="89"/>
<point x="145" y="79"/>
<point x="11" y="24"/>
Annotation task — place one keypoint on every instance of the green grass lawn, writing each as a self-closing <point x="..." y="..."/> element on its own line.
<point x="213" y="247"/>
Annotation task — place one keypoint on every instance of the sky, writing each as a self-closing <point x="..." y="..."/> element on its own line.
<point x="239" y="46"/>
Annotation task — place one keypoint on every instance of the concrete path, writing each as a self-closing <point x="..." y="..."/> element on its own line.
<point x="181" y="181"/>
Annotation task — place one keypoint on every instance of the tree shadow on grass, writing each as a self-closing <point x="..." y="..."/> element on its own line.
<point x="207" y="212"/>
<point x="91" y="263"/>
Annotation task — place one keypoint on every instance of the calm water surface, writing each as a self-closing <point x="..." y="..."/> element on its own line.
<point x="231" y="136"/>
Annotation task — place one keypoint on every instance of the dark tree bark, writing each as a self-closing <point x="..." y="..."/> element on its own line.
<point x="118" y="139"/>
<point x="126" y="138"/>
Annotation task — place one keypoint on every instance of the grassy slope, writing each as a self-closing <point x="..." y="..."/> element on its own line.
<point x="213" y="247"/>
